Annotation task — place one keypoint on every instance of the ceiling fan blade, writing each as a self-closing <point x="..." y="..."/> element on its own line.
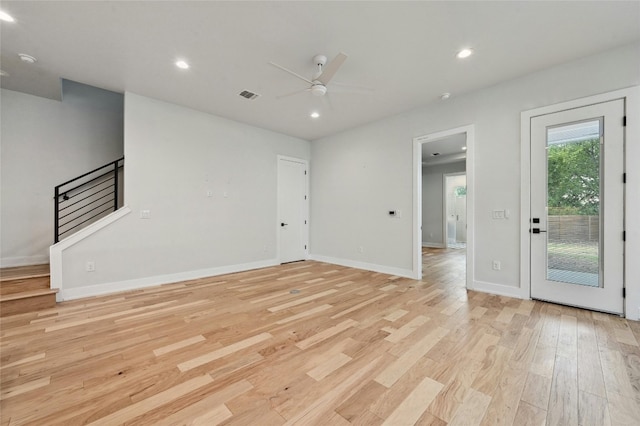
<point x="291" y="72"/>
<point x="292" y="93"/>
<point x="327" y="100"/>
<point x="331" y="68"/>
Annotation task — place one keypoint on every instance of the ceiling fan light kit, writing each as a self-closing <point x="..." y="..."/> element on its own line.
<point x="318" y="89"/>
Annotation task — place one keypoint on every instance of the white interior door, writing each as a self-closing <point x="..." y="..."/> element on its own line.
<point x="577" y="207"/>
<point x="292" y="209"/>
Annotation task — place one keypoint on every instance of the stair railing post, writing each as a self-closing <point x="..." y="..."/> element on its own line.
<point x="115" y="183"/>
<point x="56" y="213"/>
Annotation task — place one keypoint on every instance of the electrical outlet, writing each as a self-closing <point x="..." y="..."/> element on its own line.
<point x="145" y="214"/>
<point x="209" y="193"/>
<point x="496" y="265"/>
<point x="360" y="249"/>
<point x="90" y="266"/>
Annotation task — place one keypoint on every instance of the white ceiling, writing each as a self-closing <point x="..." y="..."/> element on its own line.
<point x="405" y="50"/>
<point x="446" y="150"/>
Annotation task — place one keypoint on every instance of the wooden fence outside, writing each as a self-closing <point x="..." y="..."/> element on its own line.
<point x="573" y="228"/>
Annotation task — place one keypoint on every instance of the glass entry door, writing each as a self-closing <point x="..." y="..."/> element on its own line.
<point x="577" y="207"/>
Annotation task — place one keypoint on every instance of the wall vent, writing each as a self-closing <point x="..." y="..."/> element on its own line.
<point x="249" y="95"/>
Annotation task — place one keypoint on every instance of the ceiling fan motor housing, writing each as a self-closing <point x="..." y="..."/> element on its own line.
<point x="318" y="89"/>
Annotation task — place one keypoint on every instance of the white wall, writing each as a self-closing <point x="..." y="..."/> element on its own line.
<point x="44" y="143"/>
<point x="432" y="198"/>
<point x="359" y="174"/>
<point x="174" y="156"/>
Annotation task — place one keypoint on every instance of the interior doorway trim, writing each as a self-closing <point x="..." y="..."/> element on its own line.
<point x="469" y="130"/>
<point x="631" y="97"/>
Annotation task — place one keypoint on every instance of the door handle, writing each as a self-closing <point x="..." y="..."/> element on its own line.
<point x="537" y="230"/>
<point x="283" y="224"/>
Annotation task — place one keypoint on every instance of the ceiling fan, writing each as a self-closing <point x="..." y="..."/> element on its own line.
<point x="318" y="83"/>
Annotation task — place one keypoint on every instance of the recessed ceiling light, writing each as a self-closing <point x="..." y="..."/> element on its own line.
<point x="314" y="114"/>
<point x="27" y="58"/>
<point x="182" y="65"/>
<point x="464" y="53"/>
<point x="4" y="16"/>
<point x="445" y="96"/>
<point x="464" y="148"/>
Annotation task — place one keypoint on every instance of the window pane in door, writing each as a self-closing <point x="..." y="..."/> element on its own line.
<point x="573" y="203"/>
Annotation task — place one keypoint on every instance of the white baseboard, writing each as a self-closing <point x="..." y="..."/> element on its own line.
<point x="433" y="245"/>
<point x="10" y="262"/>
<point x="499" y="289"/>
<point x="135" y="284"/>
<point x="408" y="273"/>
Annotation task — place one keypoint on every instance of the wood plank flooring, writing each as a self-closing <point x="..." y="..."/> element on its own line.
<point x="350" y="347"/>
<point x="24" y="272"/>
<point x="25" y="289"/>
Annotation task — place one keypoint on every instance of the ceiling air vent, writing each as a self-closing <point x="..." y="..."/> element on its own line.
<point x="249" y="95"/>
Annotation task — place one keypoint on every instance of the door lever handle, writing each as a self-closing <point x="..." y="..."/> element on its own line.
<point x="283" y="224"/>
<point x="537" y="230"/>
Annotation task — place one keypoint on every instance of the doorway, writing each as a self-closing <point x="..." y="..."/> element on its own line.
<point x="293" y="208"/>
<point x="436" y="156"/>
<point x="577" y="207"/>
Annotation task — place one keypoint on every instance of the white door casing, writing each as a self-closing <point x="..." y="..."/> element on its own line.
<point x="604" y="293"/>
<point x="469" y="131"/>
<point x="293" y="201"/>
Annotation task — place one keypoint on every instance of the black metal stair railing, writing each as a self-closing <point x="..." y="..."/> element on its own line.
<point x="86" y="198"/>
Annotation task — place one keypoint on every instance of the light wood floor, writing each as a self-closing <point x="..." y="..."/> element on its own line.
<point x="350" y="348"/>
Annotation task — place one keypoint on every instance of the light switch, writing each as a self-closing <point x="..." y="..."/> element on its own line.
<point x="145" y="214"/>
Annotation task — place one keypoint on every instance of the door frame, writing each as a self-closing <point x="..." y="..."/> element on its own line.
<point x="305" y="234"/>
<point x="631" y="97"/>
<point x="469" y="130"/>
<point x="444" y="204"/>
